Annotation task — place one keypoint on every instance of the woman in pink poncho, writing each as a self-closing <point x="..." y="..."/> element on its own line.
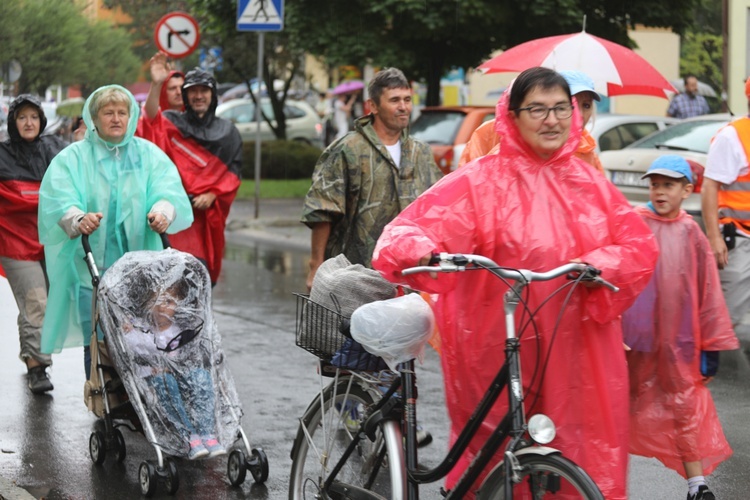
<point x="535" y="206"/>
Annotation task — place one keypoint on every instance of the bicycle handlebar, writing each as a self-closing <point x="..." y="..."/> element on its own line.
<point x="451" y="263"/>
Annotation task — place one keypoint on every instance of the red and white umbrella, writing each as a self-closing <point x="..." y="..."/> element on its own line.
<point x="615" y="69"/>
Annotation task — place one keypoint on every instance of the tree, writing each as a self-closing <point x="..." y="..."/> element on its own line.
<point x="281" y="60"/>
<point x="425" y="38"/>
<point x="59" y="45"/>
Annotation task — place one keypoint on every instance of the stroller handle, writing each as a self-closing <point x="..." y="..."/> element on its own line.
<point x="88" y="256"/>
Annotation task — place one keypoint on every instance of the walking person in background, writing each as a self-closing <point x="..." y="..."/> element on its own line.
<point x="523" y="208"/>
<point x="119" y="190"/>
<point x="24" y="159"/>
<point x="674" y="332"/>
<point x="689" y="103"/>
<point x="342" y="110"/>
<point x="725" y="205"/>
<point x="363" y="181"/>
<point x="208" y="153"/>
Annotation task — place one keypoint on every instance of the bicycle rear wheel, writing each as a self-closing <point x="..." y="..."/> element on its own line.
<point x="542" y="477"/>
<point x="326" y="432"/>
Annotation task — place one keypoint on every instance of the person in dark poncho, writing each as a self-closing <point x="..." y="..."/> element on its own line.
<point x="208" y="153"/>
<point x="24" y="158"/>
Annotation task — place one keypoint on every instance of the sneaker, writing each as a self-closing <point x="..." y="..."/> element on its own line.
<point x="39" y="382"/>
<point x="213" y="447"/>
<point x="703" y="494"/>
<point x="197" y="450"/>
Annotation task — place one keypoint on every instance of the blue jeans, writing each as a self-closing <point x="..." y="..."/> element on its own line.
<point x="188" y="401"/>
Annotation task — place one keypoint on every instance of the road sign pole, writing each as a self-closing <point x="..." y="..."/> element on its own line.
<point x="257" y="121"/>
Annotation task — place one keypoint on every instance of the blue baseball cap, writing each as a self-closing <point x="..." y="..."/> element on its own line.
<point x="672" y="166"/>
<point x="579" y="82"/>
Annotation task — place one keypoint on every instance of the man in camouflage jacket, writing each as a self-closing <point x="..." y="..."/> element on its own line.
<point x="362" y="181"/>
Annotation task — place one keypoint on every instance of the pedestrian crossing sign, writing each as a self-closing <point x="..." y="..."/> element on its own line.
<point x="260" y="15"/>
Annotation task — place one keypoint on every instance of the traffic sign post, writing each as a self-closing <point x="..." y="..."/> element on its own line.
<point x="177" y="34"/>
<point x="260" y="16"/>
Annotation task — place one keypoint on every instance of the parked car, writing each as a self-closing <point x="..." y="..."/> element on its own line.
<point x="616" y="131"/>
<point x="302" y="122"/>
<point x="689" y="138"/>
<point x="447" y="129"/>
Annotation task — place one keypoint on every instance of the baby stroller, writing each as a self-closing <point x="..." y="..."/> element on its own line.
<point x="160" y="369"/>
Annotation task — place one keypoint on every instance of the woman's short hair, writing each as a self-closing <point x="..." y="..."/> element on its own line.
<point x="532" y="78"/>
<point x="106" y="97"/>
<point x="388" y="78"/>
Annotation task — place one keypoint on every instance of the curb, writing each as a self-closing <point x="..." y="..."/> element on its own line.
<point x="9" y="491"/>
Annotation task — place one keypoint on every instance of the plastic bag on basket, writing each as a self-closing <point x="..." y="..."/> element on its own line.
<point x="394" y="329"/>
<point x="342" y="286"/>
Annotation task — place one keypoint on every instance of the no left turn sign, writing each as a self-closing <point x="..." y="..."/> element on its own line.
<point x="177" y="34"/>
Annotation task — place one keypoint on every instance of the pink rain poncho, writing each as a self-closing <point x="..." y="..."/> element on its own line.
<point x="672" y="415"/>
<point x="525" y="212"/>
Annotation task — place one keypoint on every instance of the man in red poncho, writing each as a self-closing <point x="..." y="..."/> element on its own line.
<point x="680" y="316"/>
<point x="533" y="206"/>
<point x="208" y="153"/>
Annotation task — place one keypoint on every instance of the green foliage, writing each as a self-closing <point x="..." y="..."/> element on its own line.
<point x="425" y="38"/>
<point x="702" y="57"/>
<point x="280" y="160"/>
<point x="270" y="188"/>
<point x="56" y="43"/>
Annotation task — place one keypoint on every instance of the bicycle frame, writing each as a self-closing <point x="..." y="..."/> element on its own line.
<point x="512" y="426"/>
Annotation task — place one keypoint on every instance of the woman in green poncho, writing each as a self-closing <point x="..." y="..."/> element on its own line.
<point x="119" y="189"/>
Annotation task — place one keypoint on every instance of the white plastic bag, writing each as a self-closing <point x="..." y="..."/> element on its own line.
<point x="394" y="329"/>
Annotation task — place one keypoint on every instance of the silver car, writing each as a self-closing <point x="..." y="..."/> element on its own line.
<point x="302" y="122"/>
<point x="689" y="138"/>
<point x="615" y="131"/>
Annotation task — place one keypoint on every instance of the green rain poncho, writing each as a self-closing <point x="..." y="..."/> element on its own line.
<point x="123" y="181"/>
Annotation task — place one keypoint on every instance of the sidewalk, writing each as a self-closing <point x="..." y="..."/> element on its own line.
<point x="277" y="223"/>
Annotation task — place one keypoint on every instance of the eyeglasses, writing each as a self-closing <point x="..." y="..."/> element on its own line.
<point x="562" y="111"/>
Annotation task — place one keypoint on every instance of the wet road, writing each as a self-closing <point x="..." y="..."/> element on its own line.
<point x="44" y="440"/>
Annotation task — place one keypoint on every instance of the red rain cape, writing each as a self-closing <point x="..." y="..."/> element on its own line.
<point x="19" y="201"/>
<point x="680" y="313"/>
<point x="525" y="212"/>
<point x="210" y="167"/>
<point x="22" y="166"/>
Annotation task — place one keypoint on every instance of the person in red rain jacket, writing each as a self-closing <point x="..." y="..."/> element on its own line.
<point x="208" y="153"/>
<point x="24" y="159"/>
<point x="532" y="206"/>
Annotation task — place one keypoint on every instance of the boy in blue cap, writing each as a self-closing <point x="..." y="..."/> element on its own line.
<point x="678" y="323"/>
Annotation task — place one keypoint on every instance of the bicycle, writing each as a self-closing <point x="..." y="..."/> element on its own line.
<point x="333" y="459"/>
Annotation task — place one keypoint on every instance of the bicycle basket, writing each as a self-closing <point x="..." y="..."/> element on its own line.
<point x="317" y="332"/>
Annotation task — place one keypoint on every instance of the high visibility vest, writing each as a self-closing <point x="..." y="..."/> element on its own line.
<point x="734" y="199"/>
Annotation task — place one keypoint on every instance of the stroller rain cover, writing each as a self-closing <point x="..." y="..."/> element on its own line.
<point x="155" y="312"/>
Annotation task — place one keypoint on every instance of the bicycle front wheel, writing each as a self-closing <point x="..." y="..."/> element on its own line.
<point x="542" y="477"/>
<point x="325" y="433"/>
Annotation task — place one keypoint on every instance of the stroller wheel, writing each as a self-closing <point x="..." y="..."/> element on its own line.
<point x="147" y="478"/>
<point x="119" y="442"/>
<point x="172" y="480"/>
<point x="259" y="465"/>
<point x="97" y="449"/>
<point x="236" y="467"/>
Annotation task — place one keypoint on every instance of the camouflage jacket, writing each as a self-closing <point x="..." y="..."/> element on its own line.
<point x="359" y="189"/>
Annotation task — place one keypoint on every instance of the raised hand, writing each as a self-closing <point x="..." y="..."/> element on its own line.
<point x="159" y="68"/>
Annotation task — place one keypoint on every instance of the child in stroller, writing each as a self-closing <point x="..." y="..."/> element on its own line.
<point x="154" y="309"/>
<point x="155" y="313"/>
<point x="166" y="340"/>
